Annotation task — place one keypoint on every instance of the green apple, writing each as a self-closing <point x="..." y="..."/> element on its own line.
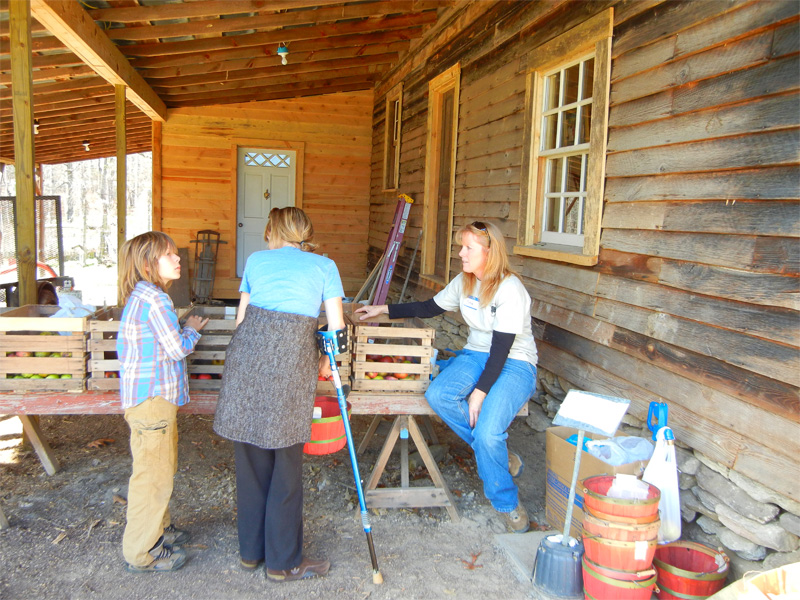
<point x="66" y="376"/>
<point x="41" y="354"/>
<point x="53" y="376"/>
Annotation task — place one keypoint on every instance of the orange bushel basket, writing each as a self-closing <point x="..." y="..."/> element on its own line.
<point x="595" y="499"/>
<point x="689" y="570"/>
<point x="614" y="530"/>
<point x="602" y="583"/>
<point x="327" y="432"/>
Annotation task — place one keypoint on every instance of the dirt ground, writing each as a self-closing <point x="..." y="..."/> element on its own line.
<point x="65" y="536"/>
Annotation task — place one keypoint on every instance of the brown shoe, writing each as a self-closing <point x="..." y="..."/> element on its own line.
<point x="517" y="520"/>
<point x="515" y="464"/>
<point x="307" y="568"/>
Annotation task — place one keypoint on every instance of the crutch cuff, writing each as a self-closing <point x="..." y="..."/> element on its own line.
<point x="338" y="339"/>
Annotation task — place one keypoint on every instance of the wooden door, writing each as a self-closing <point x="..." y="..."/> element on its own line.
<point x="266" y="180"/>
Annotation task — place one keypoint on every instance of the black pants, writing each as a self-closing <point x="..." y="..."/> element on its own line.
<point x="269" y="497"/>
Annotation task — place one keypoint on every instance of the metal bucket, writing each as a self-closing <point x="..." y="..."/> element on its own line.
<point x="557" y="571"/>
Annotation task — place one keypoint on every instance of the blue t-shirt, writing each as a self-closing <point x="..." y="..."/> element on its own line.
<point x="290" y="280"/>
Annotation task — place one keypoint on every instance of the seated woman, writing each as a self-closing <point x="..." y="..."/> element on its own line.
<point x="479" y="392"/>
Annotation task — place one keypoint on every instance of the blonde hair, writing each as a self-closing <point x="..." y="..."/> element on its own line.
<point x="138" y="261"/>
<point x="497" y="267"/>
<point x="290" y="225"/>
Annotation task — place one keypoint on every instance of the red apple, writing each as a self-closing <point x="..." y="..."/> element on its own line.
<point x="204" y="376"/>
<point x="387" y="359"/>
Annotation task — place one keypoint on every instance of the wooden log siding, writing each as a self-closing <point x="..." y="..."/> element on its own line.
<point x="199" y="174"/>
<point x="695" y="298"/>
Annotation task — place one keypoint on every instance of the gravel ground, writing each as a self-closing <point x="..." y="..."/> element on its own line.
<point x="65" y="536"/>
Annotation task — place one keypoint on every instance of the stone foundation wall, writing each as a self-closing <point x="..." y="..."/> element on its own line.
<point x="757" y="528"/>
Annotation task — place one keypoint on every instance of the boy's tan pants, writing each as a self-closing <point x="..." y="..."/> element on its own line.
<point x="154" y="447"/>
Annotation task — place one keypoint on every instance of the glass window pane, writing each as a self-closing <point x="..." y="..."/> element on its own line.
<point x="567" y="128"/>
<point x="572" y="210"/>
<point x="588" y="78"/>
<point x="574" y="173"/>
<point x="549" y="132"/>
<point x="554" y="175"/>
<point x="585" y="160"/>
<point x="552" y="213"/>
<point x="586" y="124"/>
<point x="571" y="84"/>
<point x="551" y="91"/>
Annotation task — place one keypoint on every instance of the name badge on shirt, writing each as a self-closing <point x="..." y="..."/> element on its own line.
<point x="471" y="302"/>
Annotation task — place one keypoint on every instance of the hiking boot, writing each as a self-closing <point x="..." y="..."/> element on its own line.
<point x="307" y="568"/>
<point x="165" y="558"/>
<point x="174" y="536"/>
<point x="249" y="565"/>
<point x="517" y="520"/>
<point x="515" y="464"/>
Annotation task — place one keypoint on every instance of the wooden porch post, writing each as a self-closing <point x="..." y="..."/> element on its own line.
<point x="157" y="157"/>
<point x="22" y="94"/>
<point x="122" y="147"/>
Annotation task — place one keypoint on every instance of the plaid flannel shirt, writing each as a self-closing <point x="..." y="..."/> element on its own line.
<point x="152" y="348"/>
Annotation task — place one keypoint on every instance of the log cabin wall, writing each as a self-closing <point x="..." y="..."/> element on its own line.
<point x="694" y="298"/>
<point x="198" y="174"/>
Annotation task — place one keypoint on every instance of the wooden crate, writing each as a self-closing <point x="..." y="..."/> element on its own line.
<point x="206" y="363"/>
<point x="344" y="360"/>
<point x="384" y="337"/>
<point x="31" y="343"/>
<point x="103" y="329"/>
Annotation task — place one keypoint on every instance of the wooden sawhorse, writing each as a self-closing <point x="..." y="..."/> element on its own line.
<point x="404" y="407"/>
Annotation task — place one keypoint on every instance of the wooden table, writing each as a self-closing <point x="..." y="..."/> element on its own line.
<point x="404" y="407"/>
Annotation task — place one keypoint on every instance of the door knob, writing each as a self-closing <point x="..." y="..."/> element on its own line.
<point x="266" y="194"/>
<point x="241" y="224"/>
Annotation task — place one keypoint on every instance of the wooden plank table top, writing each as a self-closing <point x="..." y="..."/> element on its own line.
<point x="202" y="402"/>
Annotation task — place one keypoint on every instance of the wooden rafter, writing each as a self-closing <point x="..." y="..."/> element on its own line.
<point x="318" y="32"/>
<point x="70" y="24"/>
<point x="199" y="10"/>
<point x="267" y="22"/>
<point x="224" y="65"/>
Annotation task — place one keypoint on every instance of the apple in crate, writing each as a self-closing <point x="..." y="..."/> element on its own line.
<point x="204" y="376"/>
<point x="23" y="354"/>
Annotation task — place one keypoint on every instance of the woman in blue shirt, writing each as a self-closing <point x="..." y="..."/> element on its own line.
<point x="268" y="386"/>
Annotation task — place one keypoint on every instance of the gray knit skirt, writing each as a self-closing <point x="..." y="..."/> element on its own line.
<point x="269" y="380"/>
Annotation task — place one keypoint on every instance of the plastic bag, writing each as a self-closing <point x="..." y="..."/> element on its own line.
<point x="620" y="450"/>
<point x="662" y="472"/>
<point x="72" y="307"/>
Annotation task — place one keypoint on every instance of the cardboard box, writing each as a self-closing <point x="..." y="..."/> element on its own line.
<point x="560" y="464"/>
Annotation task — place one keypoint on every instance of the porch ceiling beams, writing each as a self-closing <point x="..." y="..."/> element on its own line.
<point x="183" y="53"/>
<point x="70" y="24"/>
<point x="270" y="20"/>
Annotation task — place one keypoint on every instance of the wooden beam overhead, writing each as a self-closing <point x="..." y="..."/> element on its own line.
<point x="200" y="10"/>
<point x="359" y="41"/>
<point x="224" y="66"/>
<point x="317" y="32"/>
<point x="73" y="26"/>
<point x="267" y="75"/>
<point x="267" y="22"/>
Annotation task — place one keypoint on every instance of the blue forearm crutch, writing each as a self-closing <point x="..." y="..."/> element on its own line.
<point x="331" y="343"/>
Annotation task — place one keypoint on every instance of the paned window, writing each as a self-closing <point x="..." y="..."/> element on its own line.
<point x="566" y="122"/>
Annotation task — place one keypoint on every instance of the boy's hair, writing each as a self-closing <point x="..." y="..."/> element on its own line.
<point x="497" y="266"/>
<point x="291" y="225"/>
<point x="138" y="261"/>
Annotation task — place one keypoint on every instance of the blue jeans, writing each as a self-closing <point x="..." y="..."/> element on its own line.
<point x="448" y="395"/>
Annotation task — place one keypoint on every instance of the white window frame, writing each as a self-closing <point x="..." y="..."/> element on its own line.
<point x="392" y="138"/>
<point x="591" y="38"/>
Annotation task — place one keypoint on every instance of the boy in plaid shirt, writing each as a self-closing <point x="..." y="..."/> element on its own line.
<point x="152" y="350"/>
